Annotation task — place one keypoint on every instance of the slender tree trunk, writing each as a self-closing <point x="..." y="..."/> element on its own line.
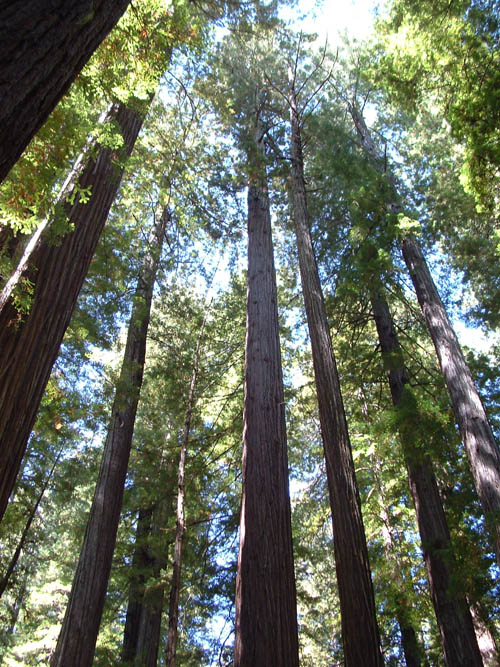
<point x="360" y="633"/>
<point x="42" y="49"/>
<point x="266" y="608"/>
<point x="485" y="637"/>
<point x="173" y="609"/>
<point x="15" y="556"/>
<point x="482" y="450"/>
<point x="452" y="611"/>
<point x="78" y="634"/>
<point x="411" y="648"/>
<point x="29" y="344"/>
<point x="140" y="566"/>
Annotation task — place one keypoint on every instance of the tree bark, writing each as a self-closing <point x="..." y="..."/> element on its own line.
<point x="78" y="634"/>
<point x="140" y="565"/>
<point x="173" y="609"/>
<point x="360" y="633"/>
<point x="266" y="608"/>
<point x="480" y="446"/>
<point x="29" y="344"/>
<point x="482" y="450"/>
<point x="43" y="46"/>
<point x="452" y="612"/>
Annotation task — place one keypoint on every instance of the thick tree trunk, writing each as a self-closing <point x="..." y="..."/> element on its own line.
<point x="78" y="635"/>
<point x="43" y="46"/>
<point x="452" y="612"/>
<point x="140" y="567"/>
<point x="4" y="581"/>
<point x="482" y="450"/>
<point x="173" y="608"/>
<point x="29" y="344"/>
<point x="360" y="633"/>
<point x="266" y="612"/>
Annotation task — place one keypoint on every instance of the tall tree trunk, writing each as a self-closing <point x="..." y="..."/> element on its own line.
<point x="173" y="609"/>
<point x="4" y="581"/>
<point x="148" y="640"/>
<point x="140" y="566"/>
<point x="482" y="450"/>
<point x="42" y="49"/>
<point x="78" y="634"/>
<point x="360" y="633"/>
<point x="266" y="607"/>
<point x="29" y="344"/>
<point x="452" y="611"/>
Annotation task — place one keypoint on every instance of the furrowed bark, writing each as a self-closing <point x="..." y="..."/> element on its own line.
<point x="266" y="616"/>
<point x="29" y="344"/>
<point x="480" y="446"/>
<point x="360" y="633"/>
<point x="43" y="46"/>
<point x="452" y="611"/>
<point x="482" y="450"/>
<point x="76" y="644"/>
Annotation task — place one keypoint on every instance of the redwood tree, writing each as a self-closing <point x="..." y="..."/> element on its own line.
<point x="42" y="49"/>
<point x="29" y="343"/>
<point x="452" y="612"/>
<point x="480" y="445"/>
<point x="360" y="633"/>
<point x="76" y="643"/>
<point x="266" y="616"/>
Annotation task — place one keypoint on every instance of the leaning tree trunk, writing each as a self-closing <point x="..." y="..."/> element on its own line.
<point x="452" y="611"/>
<point x="173" y="608"/>
<point x="76" y="643"/>
<point x="482" y="450"/>
<point x="29" y="344"/>
<point x="360" y="633"/>
<point x="42" y="49"/>
<point x="266" y="615"/>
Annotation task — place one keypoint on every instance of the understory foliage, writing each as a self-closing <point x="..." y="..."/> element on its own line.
<point x="428" y="83"/>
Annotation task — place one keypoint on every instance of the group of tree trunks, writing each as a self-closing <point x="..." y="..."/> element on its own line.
<point x="40" y="56"/>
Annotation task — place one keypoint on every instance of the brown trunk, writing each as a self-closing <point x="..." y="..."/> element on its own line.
<point x="29" y="344"/>
<point x="485" y="637"/>
<point x="452" y="612"/>
<point x="480" y="445"/>
<point x="482" y="451"/>
<point x="140" y="567"/>
<point x="266" y="609"/>
<point x="360" y="633"/>
<point x="173" y="608"/>
<point x="78" y="635"/>
<point x="148" y="640"/>
<point x="42" y="49"/>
